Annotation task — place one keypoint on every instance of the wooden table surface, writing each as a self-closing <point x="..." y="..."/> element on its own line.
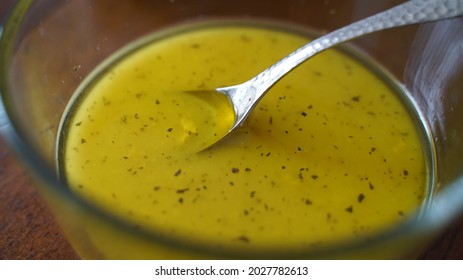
<point x="29" y="231"/>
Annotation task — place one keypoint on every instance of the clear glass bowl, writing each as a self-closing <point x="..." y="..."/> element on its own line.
<point x="49" y="47"/>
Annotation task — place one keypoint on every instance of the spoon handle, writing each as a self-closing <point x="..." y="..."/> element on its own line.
<point x="411" y="12"/>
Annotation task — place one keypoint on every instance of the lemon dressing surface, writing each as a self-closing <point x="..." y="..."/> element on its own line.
<point x="331" y="153"/>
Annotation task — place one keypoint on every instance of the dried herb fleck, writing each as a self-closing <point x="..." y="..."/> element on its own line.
<point x="355" y="98"/>
<point x="243" y="238"/>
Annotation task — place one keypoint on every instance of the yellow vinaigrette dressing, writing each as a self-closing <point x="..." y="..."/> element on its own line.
<point x="332" y="152"/>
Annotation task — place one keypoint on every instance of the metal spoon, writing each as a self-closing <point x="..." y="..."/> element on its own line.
<point x="244" y="97"/>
